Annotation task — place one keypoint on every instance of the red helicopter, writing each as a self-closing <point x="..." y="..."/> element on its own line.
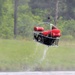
<point x="49" y="36"/>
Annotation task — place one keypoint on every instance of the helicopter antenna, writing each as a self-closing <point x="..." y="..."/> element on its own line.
<point x="48" y="18"/>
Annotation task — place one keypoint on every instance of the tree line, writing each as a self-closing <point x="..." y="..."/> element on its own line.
<point x="31" y="12"/>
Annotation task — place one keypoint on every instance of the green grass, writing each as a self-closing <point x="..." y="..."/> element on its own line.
<point x="23" y="55"/>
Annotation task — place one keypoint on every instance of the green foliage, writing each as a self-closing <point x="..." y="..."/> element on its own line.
<point x="6" y="28"/>
<point x="26" y="20"/>
<point x="32" y="12"/>
<point x="67" y="27"/>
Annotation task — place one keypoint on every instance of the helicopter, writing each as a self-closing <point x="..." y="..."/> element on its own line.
<point x="46" y="33"/>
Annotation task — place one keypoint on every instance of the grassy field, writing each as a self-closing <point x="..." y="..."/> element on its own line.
<point x="23" y="55"/>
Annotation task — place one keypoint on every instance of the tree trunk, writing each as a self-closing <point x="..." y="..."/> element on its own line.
<point x="56" y="11"/>
<point x="15" y="17"/>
